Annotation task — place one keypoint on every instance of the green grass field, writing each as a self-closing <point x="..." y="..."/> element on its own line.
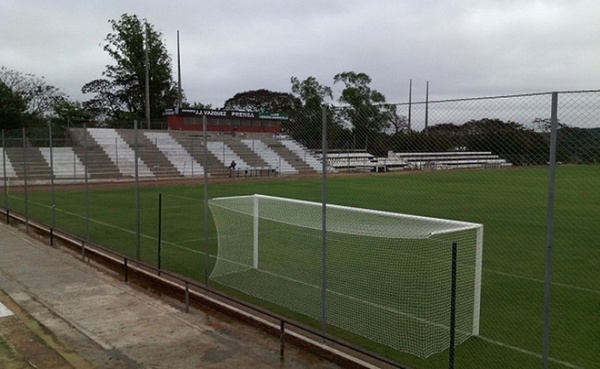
<point x="511" y="203"/>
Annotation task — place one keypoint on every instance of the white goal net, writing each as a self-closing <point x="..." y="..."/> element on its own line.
<point x="388" y="275"/>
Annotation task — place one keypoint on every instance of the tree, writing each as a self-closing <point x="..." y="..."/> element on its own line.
<point x="305" y="123"/>
<point x="312" y="94"/>
<point x="12" y="108"/>
<point x="512" y="141"/>
<point x="68" y="112"/>
<point x="197" y="105"/>
<point x="367" y="112"/>
<point x="38" y="96"/>
<point x="263" y="101"/>
<point x="399" y="123"/>
<point x="121" y="93"/>
<point x="106" y="103"/>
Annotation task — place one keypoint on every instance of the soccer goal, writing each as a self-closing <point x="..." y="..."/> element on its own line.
<point x="388" y="275"/>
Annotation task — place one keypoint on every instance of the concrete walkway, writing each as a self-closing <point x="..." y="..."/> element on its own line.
<point x="97" y="321"/>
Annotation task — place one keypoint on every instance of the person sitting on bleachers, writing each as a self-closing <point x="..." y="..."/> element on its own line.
<point x="231" y="167"/>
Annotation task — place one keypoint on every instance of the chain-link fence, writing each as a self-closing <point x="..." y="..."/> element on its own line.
<point x="522" y="167"/>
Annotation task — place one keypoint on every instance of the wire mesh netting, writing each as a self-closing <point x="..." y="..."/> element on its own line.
<point x="526" y="167"/>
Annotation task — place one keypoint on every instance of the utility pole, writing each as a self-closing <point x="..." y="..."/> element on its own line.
<point x="147" y="70"/>
<point x="179" y="95"/>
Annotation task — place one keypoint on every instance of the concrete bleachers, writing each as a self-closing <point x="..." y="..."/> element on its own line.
<point x="108" y="154"/>
<point x="363" y="161"/>
<point x="63" y="161"/>
<point x="119" y="152"/>
<point x="353" y="161"/>
<point x="6" y="166"/>
<point x="450" y="159"/>
<point x="177" y="155"/>
<point x="273" y="159"/>
<point x="226" y="155"/>
<point x="303" y="153"/>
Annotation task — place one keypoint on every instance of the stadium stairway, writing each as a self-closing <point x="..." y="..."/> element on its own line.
<point x="150" y="154"/>
<point x="37" y="168"/>
<point x="290" y="156"/>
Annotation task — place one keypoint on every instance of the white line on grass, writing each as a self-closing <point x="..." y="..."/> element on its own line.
<point x="584" y="289"/>
<point x="125" y="230"/>
<point x="527" y="352"/>
<point x="389" y="309"/>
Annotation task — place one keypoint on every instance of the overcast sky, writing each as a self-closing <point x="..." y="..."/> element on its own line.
<point x="464" y="48"/>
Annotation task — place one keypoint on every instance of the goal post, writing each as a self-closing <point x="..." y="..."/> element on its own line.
<point x="388" y="274"/>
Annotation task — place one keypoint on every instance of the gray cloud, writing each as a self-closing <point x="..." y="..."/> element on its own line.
<point x="464" y="48"/>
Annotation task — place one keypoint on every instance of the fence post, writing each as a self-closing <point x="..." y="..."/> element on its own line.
<point x="4" y="177"/>
<point x="52" y="177"/>
<point x="138" y="255"/>
<point x="550" y="232"/>
<point x="126" y="270"/>
<point x="324" y="223"/>
<point x="281" y="340"/>
<point x="452" y="308"/>
<point x="159" y="236"/>
<point x="25" y="183"/>
<point x="116" y="153"/>
<point x="85" y="182"/>
<point x="205" y="164"/>
<point x="187" y="297"/>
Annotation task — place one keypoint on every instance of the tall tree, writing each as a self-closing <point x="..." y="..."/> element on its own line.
<point x="38" y="96"/>
<point x="366" y="111"/>
<point x="68" y="112"/>
<point x="312" y="94"/>
<point x="399" y="123"/>
<point x="305" y="124"/>
<point x="121" y="93"/>
<point x="12" y="108"/>
<point x="263" y="101"/>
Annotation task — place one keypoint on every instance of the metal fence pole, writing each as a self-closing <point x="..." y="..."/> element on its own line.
<point x="74" y="165"/>
<point x="409" y="104"/>
<point x="52" y="197"/>
<point x="205" y="163"/>
<point x="138" y="253"/>
<point x="25" y="183"/>
<point x="86" y="184"/>
<point x="159" y="236"/>
<point x="550" y="232"/>
<point x="426" y="130"/>
<point x="324" y="223"/>
<point x="452" y="308"/>
<point x="116" y="153"/>
<point x="4" y="172"/>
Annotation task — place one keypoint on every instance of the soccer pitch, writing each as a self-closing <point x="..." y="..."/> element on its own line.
<point x="510" y="203"/>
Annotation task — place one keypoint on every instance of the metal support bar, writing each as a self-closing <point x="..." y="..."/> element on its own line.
<point x="187" y="297"/>
<point x="550" y="232"/>
<point x="452" y="309"/>
<point x="126" y="270"/>
<point x="281" y="340"/>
